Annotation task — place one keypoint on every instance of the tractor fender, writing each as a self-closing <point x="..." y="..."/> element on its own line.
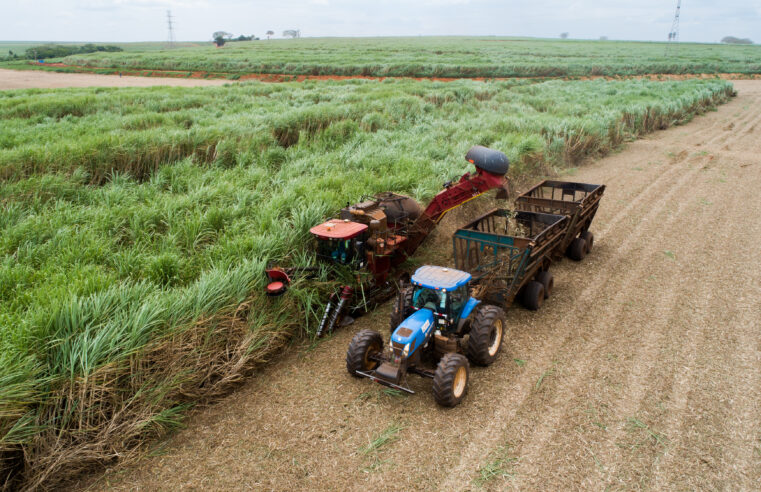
<point x="469" y="308"/>
<point x="415" y="330"/>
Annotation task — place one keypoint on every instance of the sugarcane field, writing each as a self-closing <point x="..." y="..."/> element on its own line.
<point x="382" y="253"/>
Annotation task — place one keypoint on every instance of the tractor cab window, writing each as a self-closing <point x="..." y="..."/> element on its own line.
<point x="341" y="251"/>
<point x="458" y="298"/>
<point x="434" y="300"/>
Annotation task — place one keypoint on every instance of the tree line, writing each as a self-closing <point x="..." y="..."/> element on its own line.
<point x="58" y="51"/>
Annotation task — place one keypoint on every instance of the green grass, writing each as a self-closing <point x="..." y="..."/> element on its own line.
<point x="441" y="57"/>
<point x="389" y="435"/>
<point x="135" y="225"/>
<point x="500" y="466"/>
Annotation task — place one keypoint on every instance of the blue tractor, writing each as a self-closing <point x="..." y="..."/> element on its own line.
<point x="435" y="319"/>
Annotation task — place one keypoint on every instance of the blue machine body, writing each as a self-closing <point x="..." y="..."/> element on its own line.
<point x="418" y="327"/>
<point x="415" y="329"/>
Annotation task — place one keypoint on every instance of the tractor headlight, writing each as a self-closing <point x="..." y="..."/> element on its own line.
<point x="406" y="350"/>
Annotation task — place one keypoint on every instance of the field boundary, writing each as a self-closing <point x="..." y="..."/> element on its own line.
<point x="279" y="77"/>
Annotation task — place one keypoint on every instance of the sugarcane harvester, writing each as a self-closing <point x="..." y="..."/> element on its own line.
<point x="375" y="236"/>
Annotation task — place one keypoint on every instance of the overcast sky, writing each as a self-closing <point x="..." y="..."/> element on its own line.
<point x="145" y="20"/>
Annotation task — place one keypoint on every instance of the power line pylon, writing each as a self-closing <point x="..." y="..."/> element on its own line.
<point x="170" y="23"/>
<point x="674" y="33"/>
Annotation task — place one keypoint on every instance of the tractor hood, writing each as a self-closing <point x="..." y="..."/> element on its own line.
<point x="414" y="329"/>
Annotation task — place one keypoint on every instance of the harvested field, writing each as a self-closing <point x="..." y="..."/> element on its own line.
<point x="643" y="371"/>
<point x="37" y="79"/>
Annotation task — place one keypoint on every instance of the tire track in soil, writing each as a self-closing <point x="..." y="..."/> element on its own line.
<point x="631" y="247"/>
<point x="680" y="342"/>
<point x="302" y="422"/>
<point x="750" y="119"/>
<point x="710" y="311"/>
<point x="570" y="381"/>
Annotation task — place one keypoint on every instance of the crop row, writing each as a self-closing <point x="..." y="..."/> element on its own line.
<point x="441" y="57"/>
<point x="135" y="225"/>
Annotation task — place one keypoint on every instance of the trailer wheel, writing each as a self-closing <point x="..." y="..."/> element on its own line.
<point x="365" y="344"/>
<point x="399" y="312"/>
<point x="589" y="238"/>
<point x="548" y="281"/>
<point x="486" y="335"/>
<point x="577" y="249"/>
<point x="450" y="382"/>
<point x="533" y="296"/>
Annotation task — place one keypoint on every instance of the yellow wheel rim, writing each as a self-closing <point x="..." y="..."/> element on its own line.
<point x="498" y="330"/>
<point x="460" y="379"/>
<point x="371" y="350"/>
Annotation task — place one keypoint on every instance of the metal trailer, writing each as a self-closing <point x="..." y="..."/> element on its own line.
<point x="509" y="253"/>
<point x="577" y="201"/>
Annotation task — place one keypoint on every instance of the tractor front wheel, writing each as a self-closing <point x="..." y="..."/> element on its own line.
<point x="450" y="382"/>
<point x="486" y="335"/>
<point x="364" y="347"/>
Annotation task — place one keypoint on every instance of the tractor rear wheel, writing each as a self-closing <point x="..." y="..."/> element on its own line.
<point x="450" y="382"/>
<point x="486" y="335"/>
<point x="577" y="249"/>
<point x="399" y="311"/>
<point x="533" y="296"/>
<point x="589" y="238"/>
<point x="545" y="278"/>
<point x="363" y="347"/>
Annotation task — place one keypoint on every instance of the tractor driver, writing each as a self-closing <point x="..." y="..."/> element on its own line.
<point x="429" y="298"/>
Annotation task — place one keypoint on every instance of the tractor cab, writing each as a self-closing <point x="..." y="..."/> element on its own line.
<point x="443" y="291"/>
<point x="341" y="241"/>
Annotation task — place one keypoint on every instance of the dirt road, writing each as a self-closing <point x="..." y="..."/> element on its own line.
<point x="38" y="79"/>
<point x="643" y="371"/>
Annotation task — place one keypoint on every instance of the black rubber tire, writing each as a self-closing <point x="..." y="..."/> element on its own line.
<point x="488" y="328"/>
<point x="589" y="238"/>
<point x="448" y="389"/>
<point x="548" y="281"/>
<point x="397" y="315"/>
<point x="533" y="296"/>
<point x="577" y="250"/>
<point x="364" y="343"/>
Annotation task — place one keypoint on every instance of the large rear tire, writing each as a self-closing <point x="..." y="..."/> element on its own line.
<point x="486" y="335"/>
<point x="545" y="278"/>
<point x="533" y="296"/>
<point x="399" y="311"/>
<point x="577" y="250"/>
<point x="450" y="382"/>
<point x="365" y="344"/>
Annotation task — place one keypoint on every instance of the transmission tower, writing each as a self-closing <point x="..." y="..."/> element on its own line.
<point x="674" y="33"/>
<point x="170" y="23"/>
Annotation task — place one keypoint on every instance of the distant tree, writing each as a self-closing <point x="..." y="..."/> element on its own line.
<point x="563" y="35"/>
<point x="292" y="33"/>
<point x="603" y="38"/>
<point x="221" y="37"/>
<point x="270" y="33"/>
<point x="734" y="40"/>
<point x="245" y="38"/>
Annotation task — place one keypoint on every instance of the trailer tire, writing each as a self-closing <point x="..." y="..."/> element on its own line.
<point x="577" y="249"/>
<point x="533" y="295"/>
<point x="364" y="344"/>
<point x="450" y="381"/>
<point x="548" y="281"/>
<point x="589" y="238"/>
<point x="399" y="313"/>
<point x="487" y="333"/>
